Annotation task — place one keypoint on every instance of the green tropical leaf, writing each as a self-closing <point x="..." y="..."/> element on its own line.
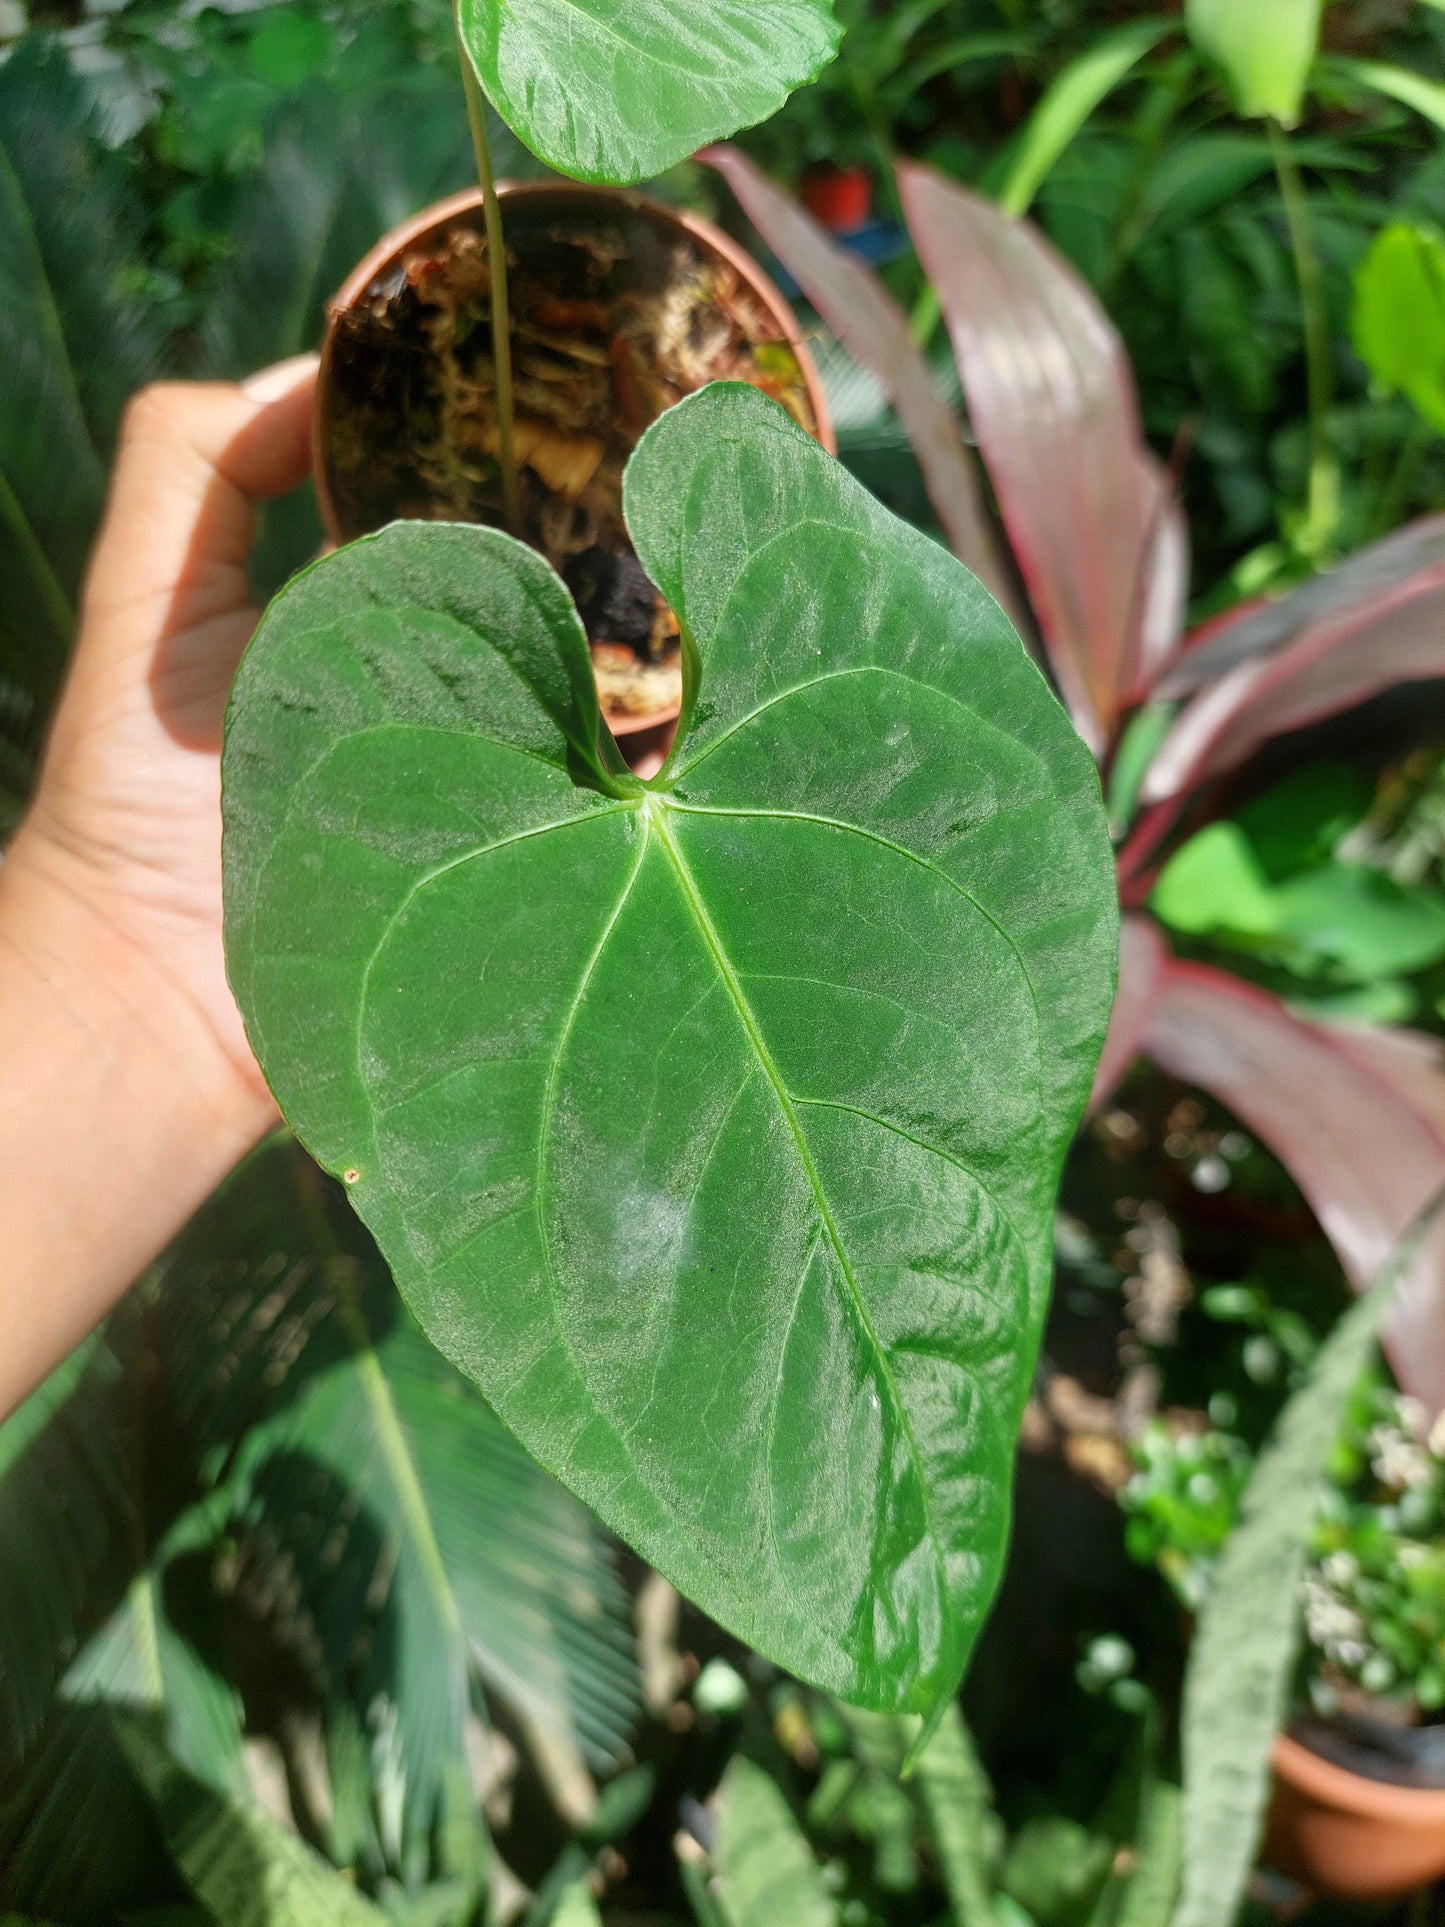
<point x="957" y="1802"/>
<point x="87" y="1626"/>
<point x="142" y="1661"/>
<point x="74" y="340"/>
<point x="1425" y="97"/>
<point x="1237" y="1683"/>
<point x="577" y="1908"/>
<point x="617" y="90"/>
<point x="767" y="1876"/>
<point x="1153" y="1886"/>
<point x="78" y="1838"/>
<point x="245" y="1867"/>
<point x="1398" y="324"/>
<point x="1071" y="97"/>
<point x="67" y="1524"/>
<point x="686" y="1168"/>
<point x="1265" y="52"/>
<point x="423" y="1547"/>
<point x="953" y="1798"/>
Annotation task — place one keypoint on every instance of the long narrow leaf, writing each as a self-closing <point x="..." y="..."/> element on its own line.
<point x="1374" y="622"/>
<point x="1236" y="1688"/>
<point x="245" y="1867"/>
<point x="424" y="1545"/>
<point x="1071" y="97"/>
<point x="957" y="1802"/>
<point x="874" y="329"/>
<point x="1052" y="401"/>
<point x="767" y="1876"/>
<point x="1426" y="97"/>
<point x="1366" y="1160"/>
<point x="67" y="1523"/>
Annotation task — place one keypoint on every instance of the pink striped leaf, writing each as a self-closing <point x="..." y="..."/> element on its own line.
<point x="874" y="330"/>
<point x="1143" y="967"/>
<point x="1051" y="397"/>
<point x="1331" y="1104"/>
<point x="1377" y="620"/>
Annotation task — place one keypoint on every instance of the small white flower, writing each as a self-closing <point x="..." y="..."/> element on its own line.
<point x="1398" y="1463"/>
<point x="1414" y="1419"/>
<point x="1341" y="1568"/>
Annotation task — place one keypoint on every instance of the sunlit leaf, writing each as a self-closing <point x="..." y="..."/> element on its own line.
<point x="422" y="1548"/>
<point x="870" y="324"/>
<point x="1070" y="99"/>
<point x="767" y="1875"/>
<point x="1099" y="541"/>
<point x="1344" y="636"/>
<point x="1426" y="97"/>
<point x="1398" y="325"/>
<point x="617" y="90"/>
<point x="247" y="1868"/>
<point x="1265" y="51"/>
<point x="717" y="1122"/>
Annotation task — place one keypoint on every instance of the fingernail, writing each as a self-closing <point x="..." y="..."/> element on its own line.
<point x="270" y="384"/>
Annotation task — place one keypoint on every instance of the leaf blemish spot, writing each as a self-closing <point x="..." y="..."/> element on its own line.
<point x="350" y="1174"/>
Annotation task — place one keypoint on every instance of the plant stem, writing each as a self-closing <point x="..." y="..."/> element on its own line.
<point x="1323" y="512"/>
<point x="497" y="271"/>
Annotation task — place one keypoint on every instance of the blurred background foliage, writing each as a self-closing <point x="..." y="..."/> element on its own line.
<point x="278" y="1596"/>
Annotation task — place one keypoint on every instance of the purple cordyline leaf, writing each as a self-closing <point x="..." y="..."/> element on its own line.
<point x="1377" y="620"/>
<point x="1143" y="963"/>
<point x="1052" y="402"/>
<point x="874" y="330"/>
<point x="1330" y="1103"/>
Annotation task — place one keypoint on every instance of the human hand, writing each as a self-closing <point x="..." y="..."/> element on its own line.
<point x="127" y="1088"/>
<point x="127" y="816"/>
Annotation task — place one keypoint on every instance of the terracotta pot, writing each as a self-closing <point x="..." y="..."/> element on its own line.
<point x="1351" y="1837"/>
<point x="385" y="259"/>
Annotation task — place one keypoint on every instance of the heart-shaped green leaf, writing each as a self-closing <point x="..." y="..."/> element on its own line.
<point x="712" y="1125"/>
<point x="617" y="90"/>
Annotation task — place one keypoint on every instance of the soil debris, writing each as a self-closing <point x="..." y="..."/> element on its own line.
<point x="617" y="314"/>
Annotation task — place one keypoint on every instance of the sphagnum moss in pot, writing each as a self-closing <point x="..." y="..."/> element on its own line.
<point x="619" y="307"/>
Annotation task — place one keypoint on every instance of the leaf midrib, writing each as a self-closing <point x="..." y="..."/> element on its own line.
<point x="656" y="813"/>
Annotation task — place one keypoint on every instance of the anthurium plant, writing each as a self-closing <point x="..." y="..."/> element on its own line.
<point x="712" y="1123"/>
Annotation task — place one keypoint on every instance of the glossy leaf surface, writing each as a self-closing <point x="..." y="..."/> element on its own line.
<point x="617" y="90"/>
<point x="1051" y="397"/>
<point x="712" y="1126"/>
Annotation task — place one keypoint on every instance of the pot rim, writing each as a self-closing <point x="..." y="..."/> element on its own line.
<point x="709" y="237"/>
<point x="441" y="213"/>
<point x="1336" y="1786"/>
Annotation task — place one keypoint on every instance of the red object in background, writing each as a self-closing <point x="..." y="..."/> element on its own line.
<point x="840" y="197"/>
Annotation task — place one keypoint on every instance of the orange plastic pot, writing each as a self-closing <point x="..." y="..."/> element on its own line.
<point x="381" y="263"/>
<point x="1347" y="1836"/>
